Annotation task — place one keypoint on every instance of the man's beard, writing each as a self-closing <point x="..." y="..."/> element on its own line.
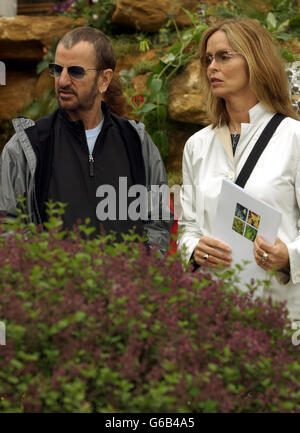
<point x="84" y="103"/>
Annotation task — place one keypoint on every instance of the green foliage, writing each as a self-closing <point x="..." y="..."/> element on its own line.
<point x="233" y="9"/>
<point x="99" y="326"/>
<point x="175" y="178"/>
<point x="48" y="57"/>
<point x="283" y="21"/>
<point x="144" y="66"/>
<point x="40" y="107"/>
<point x="152" y="107"/>
<point x="125" y="44"/>
<point x="153" y="110"/>
<point x="96" y="15"/>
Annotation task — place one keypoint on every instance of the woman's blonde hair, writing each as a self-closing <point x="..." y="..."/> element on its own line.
<point x="267" y="76"/>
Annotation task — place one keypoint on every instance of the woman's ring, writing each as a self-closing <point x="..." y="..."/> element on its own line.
<point x="264" y="257"/>
<point x="205" y="257"/>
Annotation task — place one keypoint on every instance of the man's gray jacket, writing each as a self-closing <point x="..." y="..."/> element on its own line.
<point x="18" y="165"/>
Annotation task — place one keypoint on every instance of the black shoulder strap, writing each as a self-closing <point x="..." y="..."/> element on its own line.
<point x="258" y="149"/>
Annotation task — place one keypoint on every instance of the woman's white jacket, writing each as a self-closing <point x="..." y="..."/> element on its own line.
<point x="275" y="179"/>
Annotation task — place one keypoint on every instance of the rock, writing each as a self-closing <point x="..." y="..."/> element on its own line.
<point x="139" y="83"/>
<point x="23" y="51"/>
<point x="150" y="16"/>
<point x="23" y="37"/>
<point x="185" y="103"/>
<point x="177" y="139"/>
<point x="17" y="94"/>
<point x="131" y="61"/>
<point x="45" y="82"/>
<point x="182" y="19"/>
<point x="128" y="61"/>
<point x="20" y="89"/>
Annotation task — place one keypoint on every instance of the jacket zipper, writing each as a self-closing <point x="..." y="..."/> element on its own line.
<point x="91" y="165"/>
<point x="35" y="209"/>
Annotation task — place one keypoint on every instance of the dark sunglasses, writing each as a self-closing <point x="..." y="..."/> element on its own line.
<point x="76" y="72"/>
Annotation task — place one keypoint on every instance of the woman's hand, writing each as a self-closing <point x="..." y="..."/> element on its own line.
<point x="211" y="252"/>
<point x="271" y="257"/>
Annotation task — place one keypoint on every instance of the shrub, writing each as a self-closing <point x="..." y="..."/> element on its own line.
<point x="95" y="326"/>
<point x="96" y="13"/>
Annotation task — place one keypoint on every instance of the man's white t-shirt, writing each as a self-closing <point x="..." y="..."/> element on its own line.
<point x="91" y="136"/>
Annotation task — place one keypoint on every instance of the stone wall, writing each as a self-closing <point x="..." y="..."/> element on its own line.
<point x="23" y="41"/>
<point x="151" y="15"/>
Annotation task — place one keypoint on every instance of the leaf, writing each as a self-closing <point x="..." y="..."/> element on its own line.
<point x="295" y="22"/>
<point x="42" y="66"/>
<point x="79" y="316"/>
<point x="198" y="32"/>
<point x="283" y="26"/>
<point x="288" y="405"/>
<point x="287" y="55"/>
<point x="157" y="69"/>
<point x="155" y="85"/>
<point x="190" y="15"/>
<point x="83" y="256"/>
<point x="209" y="406"/>
<point x="187" y="37"/>
<point x="168" y="58"/>
<point x="144" y="46"/>
<point x="271" y="21"/>
<point x="33" y="110"/>
<point x="227" y="351"/>
<point x="146" y="108"/>
<point x="163" y="96"/>
<point x="283" y="36"/>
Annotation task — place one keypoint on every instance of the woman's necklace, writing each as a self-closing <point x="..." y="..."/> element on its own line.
<point x="235" y="136"/>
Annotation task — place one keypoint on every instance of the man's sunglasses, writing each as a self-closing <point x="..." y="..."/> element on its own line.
<point x="76" y="72"/>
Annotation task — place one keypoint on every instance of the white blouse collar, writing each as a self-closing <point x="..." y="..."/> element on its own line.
<point x="259" y="113"/>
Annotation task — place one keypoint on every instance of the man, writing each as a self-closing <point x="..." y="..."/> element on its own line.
<point x="82" y="150"/>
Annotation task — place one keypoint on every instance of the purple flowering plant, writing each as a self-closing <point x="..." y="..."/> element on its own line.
<point x="98" y="326"/>
<point x="95" y="12"/>
<point x="63" y="6"/>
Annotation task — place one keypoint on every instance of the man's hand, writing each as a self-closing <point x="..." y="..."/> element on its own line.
<point x="211" y="252"/>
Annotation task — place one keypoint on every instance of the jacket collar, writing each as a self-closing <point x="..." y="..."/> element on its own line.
<point x="21" y="123"/>
<point x="77" y="125"/>
<point x="223" y="134"/>
<point x="257" y="114"/>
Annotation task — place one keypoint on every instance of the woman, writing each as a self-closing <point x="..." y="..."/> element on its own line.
<point x="245" y="84"/>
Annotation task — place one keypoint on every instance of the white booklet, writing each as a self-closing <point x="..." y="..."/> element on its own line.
<point x="239" y="219"/>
